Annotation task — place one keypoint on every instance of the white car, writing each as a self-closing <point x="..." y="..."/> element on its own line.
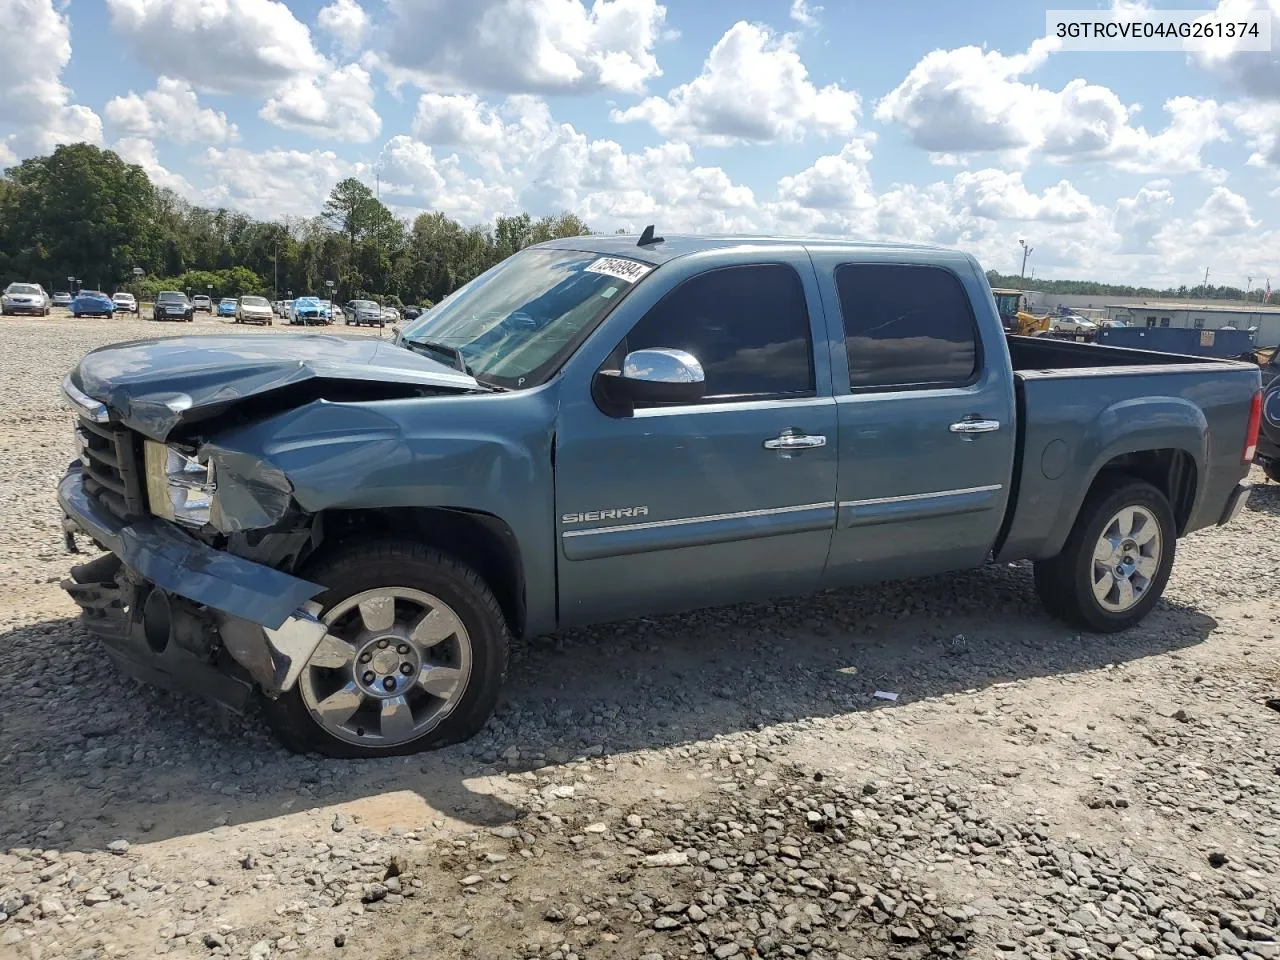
<point x="27" y="298"/>
<point x="1074" y="323"/>
<point x="125" y="302"/>
<point x="390" y="315"/>
<point x="254" y="310"/>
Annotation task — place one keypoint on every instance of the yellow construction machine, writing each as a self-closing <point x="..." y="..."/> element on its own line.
<point x="1017" y="320"/>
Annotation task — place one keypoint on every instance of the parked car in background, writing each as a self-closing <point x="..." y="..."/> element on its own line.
<point x="28" y="298"/>
<point x="227" y="307"/>
<point x="201" y="302"/>
<point x="62" y="299"/>
<point x="326" y="310"/>
<point x="92" y="303"/>
<point x="390" y="315"/>
<point x="125" y="302"/>
<point x="286" y="306"/>
<point x="598" y="428"/>
<point x="361" y="312"/>
<point x="254" y="310"/>
<point x="306" y="311"/>
<point x="413" y="312"/>
<point x="173" y="305"/>
<point x="1072" y="323"/>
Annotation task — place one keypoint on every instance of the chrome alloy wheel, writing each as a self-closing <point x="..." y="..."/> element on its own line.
<point x="1126" y="559"/>
<point x="393" y="665"/>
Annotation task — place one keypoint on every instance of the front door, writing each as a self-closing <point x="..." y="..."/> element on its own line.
<point x="926" y="420"/>
<point x="677" y="507"/>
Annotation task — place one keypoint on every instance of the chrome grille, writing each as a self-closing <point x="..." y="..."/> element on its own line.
<point x="111" y="456"/>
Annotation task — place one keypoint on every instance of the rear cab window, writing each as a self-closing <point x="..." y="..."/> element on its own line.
<point x="906" y="327"/>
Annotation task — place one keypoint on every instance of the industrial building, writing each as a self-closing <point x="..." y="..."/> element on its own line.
<point x="1202" y="315"/>
<point x="1197" y="314"/>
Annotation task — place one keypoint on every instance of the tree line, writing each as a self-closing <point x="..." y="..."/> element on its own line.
<point x="84" y="213"/>
<point x="1094" y="288"/>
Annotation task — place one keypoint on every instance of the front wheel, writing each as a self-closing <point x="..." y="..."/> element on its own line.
<point x="415" y="656"/>
<point x="1116" y="560"/>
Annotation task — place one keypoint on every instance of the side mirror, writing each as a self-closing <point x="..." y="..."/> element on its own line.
<point x="658" y="375"/>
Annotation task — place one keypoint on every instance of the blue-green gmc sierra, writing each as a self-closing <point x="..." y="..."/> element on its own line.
<point x="354" y="529"/>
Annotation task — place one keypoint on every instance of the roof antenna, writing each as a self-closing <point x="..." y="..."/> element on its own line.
<point x="647" y="237"/>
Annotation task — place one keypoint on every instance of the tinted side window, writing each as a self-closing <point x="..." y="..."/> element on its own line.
<point x="906" y="326"/>
<point x="748" y="326"/>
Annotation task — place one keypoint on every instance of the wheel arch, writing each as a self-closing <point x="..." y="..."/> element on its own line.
<point x="482" y="541"/>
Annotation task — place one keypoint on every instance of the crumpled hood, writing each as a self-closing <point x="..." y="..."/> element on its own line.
<point x="155" y="385"/>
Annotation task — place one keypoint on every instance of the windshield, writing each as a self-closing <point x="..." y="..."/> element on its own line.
<point x="124" y="296"/>
<point x="93" y="293"/>
<point x="23" y="288"/>
<point x="517" y="321"/>
<point x="254" y="302"/>
<point x="169" y="296"/>
<point x="364" y="305"/>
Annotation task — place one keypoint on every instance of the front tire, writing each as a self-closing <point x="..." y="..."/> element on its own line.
<point x="1116" y="560"/>
<point x="415" y="658"/>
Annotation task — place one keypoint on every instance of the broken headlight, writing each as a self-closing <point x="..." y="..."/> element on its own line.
<point x="179" y="487"/>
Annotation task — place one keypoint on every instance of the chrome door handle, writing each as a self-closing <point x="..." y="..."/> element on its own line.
<point x="975" y="426"/>
<point x="793" y="439"/>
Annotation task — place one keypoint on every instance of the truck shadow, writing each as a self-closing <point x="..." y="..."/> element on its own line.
<point x="87" y="757"/>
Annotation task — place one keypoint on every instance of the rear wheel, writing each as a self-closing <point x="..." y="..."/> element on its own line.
<point x="414" y="659"/>
<point x="1116" y="561"/>
<point x="1272" y="470"/>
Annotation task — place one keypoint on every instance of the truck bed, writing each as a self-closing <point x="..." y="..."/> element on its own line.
<point x="1072" y="401"/>
<point x="1045" y="355"/>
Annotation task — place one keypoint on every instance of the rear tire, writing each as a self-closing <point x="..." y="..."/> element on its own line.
<point x="1116" y="561"/>
<point x="1272" y="470"/>
<point x="305" y="718"/>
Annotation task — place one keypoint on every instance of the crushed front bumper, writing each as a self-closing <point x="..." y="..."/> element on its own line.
<point x="178" y="613"/>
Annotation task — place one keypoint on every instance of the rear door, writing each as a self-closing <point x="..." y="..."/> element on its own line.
<point x="684" y="506"/>
<point x="926" y="418"/>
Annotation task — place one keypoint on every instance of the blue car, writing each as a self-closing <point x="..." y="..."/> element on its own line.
<point x="227" y="307"/>
<point x="92" y="303"/>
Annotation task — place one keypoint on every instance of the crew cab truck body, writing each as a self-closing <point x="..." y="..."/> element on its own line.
<point x="598" y="428"/>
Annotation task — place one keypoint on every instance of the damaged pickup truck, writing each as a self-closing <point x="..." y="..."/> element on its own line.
<point x="600" y="427"/>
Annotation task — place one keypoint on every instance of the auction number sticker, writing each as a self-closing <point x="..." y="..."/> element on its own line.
<point x="630" y="270"/>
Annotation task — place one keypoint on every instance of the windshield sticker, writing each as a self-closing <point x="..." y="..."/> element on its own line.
<point x="629" y="270"/>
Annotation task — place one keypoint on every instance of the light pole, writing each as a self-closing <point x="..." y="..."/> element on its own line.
<point x="1026" y="252"/>
<point x="138" y="273"/>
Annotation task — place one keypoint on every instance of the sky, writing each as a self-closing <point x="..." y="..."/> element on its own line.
<point x="938" y="122"/>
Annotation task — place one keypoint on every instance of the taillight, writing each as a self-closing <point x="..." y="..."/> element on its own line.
<point x="1251" y="432"/>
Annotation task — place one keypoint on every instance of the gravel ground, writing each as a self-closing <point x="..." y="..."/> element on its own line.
<point x="722" y="784"/>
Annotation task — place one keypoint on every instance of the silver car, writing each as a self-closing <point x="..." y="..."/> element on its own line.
<point x="254" y="310"/>
<point x="28" y="298"/>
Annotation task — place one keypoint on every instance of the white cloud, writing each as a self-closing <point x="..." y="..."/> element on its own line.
<point x="1001" y="195"/>
<point x="1254" y="74"/>
<point x="1260" y="124"/>
<point x="33" y="98"/>
<point x="522" y="46"/>
<point x="345" y="21"/>
<point x="336" y="105"/>
<point x="170" y="110"/>
<point x="804" y="14"/>
<point x="142" y="151"/>
<point x="969" y="100"/>
<point x="1138" y="218"/>
<point x="413" y="177"/>
<point x="273" y="183"/>
<point x="225" y="46"/>
<point x="753" y="88"/>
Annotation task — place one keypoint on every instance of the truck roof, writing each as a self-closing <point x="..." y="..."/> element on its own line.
<point x="677" y="245"/>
